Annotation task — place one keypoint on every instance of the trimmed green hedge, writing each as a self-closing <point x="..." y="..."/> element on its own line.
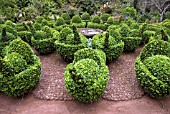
<point x="66" y="51"/>
<point x="87" y="77"/>
<point x="69" y="42"/>
<point x="112" y="46"/>
<point x="97" y="25"/>
<point x="43" y="41"/>
<point x="20" y="69"/>
<point x="85" y="16"/>
<point x="152" y="68"/>
<point x="131" y="43"/>
<point x="25" y="36"/>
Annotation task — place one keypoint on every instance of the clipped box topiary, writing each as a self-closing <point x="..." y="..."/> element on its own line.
<point x="112" y="46"/>
<point x="66" y="17"/>
<point x="87" y="77"/>
<point x="69" y="42"/>
<point x="152" y="68"/>
<point x="76" y="21"/>
<point x="43" y="40"/>
<point x="85" y="17"/>
<point x="131" y="43"/>
<point x="20" y="69"/>
<point x="104" y="17"/>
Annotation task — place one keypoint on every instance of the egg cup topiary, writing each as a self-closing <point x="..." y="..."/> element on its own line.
<point x="20" y="69"/>
<point x="112" y="46"/>
<point x="152" y="68"/>
<point x="43" y="40"/>
<point x="87" y="77"/>
<point x="66" y="17"/>
<point x="85" y="17"/>
<point x="69" y="42"/>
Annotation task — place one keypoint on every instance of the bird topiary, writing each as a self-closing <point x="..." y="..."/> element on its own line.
<point x="43" y="40"/>
<point x="60" y="21"/>
<point x="85" y="16"/>
<point x="66" y="17"/>
<point x="20" y="69"/>
<point x="76" y="19"/>
<point x="104" y="17"/>
<point x="69" y="42"/>
<point x="152" y="68"/>
<point x="112" y="46"/>
<point x="87" y="77"/>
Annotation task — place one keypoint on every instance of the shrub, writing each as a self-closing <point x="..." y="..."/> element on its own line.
<point x="104" y="17"/>
<point x="66" y="17"/>
<point x="69" y="42"/>
<point x="64" y="32"/>
<point x="5" y="39"/>
<point x="96" y="26"/>
<point x="110" y="21"/>
<point x="112" y="47"/>
<point x="25" y="36"/>
<point x="96" y="19"/>
<point x="37" y="26"/>
<point x="130" y="11"/>
<point x="76" y="19"/>
<point x="60" y="21"/>
<point x="131" y="43"/>
<point x="44" y="22"/>
<point x="124" y="30"/>
<point x="85" y="16"/>
<point x="79" y="25"/>
<point x="18" y="74"/>
<point x="10" y="23"/>
<point x="167" y="15"/>
<point x="152" y="68"/>
<point x="134" y="33"/>
<point x="86" y="79"/>
<point x="22" y="48"/>
<point x="147" y="35"/>
<point x="43" y="41"/>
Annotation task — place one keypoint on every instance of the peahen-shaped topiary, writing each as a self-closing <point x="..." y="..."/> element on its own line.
<point x="152" y="68"/>
<point x="112" y="46"/>
<point x="87" y="77"/>
<point x="69" y="42"/>
<point x="20" y="69"/>
<point x="43" y="40"/>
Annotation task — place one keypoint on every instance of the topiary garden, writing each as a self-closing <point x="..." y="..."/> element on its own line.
<point x="48" y="27"/>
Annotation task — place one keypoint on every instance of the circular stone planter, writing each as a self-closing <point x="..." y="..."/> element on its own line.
<point x="89" y="32"/>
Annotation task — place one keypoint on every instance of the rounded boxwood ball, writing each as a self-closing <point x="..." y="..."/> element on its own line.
<point x="85" y="81"/>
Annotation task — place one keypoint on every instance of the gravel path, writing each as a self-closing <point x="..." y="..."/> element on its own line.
<point x="122" y="84"/>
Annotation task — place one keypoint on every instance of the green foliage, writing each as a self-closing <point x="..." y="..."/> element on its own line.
<point x="104" y="17"/>
<point x="64" y="32"/>
<point x="66" y="17"/>
<point x="147" y="35"/>
<point x="79" y="25"/>
<point x="60" y="21"/>
<point x="37" y="26"/>
<point x="131" y="43"/>
<point x="12" y="64"/>
<point x="167" y="15"/>
<point x="124" y="30"/>
<point x="97" y="25"/>
<point x="5" y="39"/>
<point x="69" y="42"/>
<point x="110" y="21"/>
<point x="152" y="68"/>
<point x="85" y="16"/>
<point x="43" y="41"/>
<point x="22" y="48"/>
<point x="87" y="77"/>
<point x="130" y="11"/>
<point x="76" y="19"/>
<point x="96" y="19"/>
<point x="112" y="46"/>
<point x="20" y="69"/>
<point x="25" y="36"/>
<point x="134" y="33"/>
